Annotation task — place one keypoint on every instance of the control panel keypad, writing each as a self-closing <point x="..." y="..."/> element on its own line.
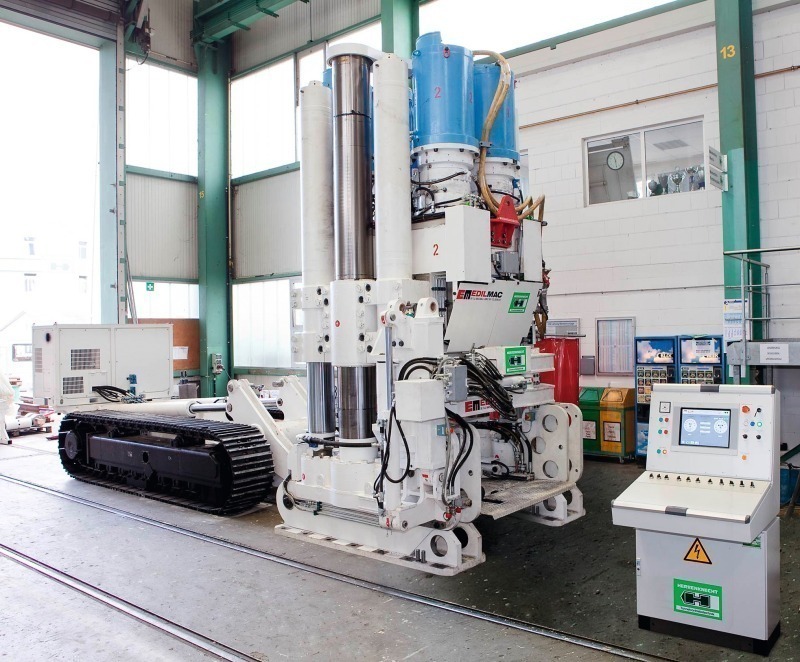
<point x="646" y="376"/>
<point x="707" y="482"/>
<point x="697" y="374"/>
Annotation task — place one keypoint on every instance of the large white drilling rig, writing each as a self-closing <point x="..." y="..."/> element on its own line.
<point x="422" y="266"/>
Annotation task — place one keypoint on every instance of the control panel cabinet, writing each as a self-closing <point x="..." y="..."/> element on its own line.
<point x="705" y="513"/>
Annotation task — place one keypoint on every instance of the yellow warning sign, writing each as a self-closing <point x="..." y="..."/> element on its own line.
<point x="697" y="553"/>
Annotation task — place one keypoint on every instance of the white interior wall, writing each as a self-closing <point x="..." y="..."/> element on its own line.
<point x="657" y="259"/>
<point x="777" y="46"/>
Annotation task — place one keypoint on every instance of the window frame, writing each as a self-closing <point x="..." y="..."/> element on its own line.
<point x="130" y="61"/>
<point x="29" y="282"/>
<point x="295" y="118"/>
<point x="24" y="355"/>
<point x="630" y="350"/>
<point x="295" y="55"/>
<point x="642" y="158"/>
<point x="294" y="281"/>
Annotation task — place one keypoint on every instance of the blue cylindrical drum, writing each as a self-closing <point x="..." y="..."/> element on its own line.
<point x="503" y="137"/>
<point x="441" y="80"/>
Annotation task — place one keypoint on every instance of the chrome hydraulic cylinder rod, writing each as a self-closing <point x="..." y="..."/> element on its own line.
<point x="321" y="413"/>
<point x="357" y="402"/>
<point x="352" y="169"/>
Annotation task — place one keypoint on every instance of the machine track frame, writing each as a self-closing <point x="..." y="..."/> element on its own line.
<point x="211" y="466"/>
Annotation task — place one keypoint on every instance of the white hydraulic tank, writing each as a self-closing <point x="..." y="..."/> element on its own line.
<point x="392" y="168"/>
<point x="316" y="173"/>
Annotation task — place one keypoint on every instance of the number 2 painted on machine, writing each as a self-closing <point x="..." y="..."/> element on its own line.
<point x="435" y="250"/>
<point x="437" y="92"/>
<point x="728" y="51"/>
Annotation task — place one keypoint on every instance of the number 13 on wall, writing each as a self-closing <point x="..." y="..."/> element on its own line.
<point x="728" y="51"/>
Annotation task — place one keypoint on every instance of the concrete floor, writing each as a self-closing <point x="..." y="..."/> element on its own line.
<point x="578" y="578"/>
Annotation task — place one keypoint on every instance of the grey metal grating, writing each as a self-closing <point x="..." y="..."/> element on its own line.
<point x="504" y="497"/>
<point x="38" y="360"/>
<point x="84" y="359"/>
<point x="72" y="385"/>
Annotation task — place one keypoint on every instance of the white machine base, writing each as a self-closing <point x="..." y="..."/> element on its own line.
<point x="438" y="551"/>
<point x="730" y="599"/>
<point x="387" y="556"/>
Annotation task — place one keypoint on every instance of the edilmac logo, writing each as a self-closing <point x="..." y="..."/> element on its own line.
<point x="479" y="295"/>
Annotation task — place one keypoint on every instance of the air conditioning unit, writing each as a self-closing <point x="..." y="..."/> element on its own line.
<point x="69" y="361"/>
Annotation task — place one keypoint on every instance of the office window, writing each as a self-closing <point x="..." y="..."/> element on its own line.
<point x="675" y="160"/>
<point x="369" y="34"/>
<point x="161" y="118"/>
<point x="30" y="245"/>
<point x="310" y="66"/>
<point x="615" y="168"/>
<point x="21" y="352"/>
<point x="82" y="250"/>
<point x="83" y="284"/>
<point x="262" y="323"/>
<point x="263" y="119"/>
<point x="615" y="338"/>
<point x="646" y="163"/>
<point x="159" y="299"/>
<point x="30" y="282"/>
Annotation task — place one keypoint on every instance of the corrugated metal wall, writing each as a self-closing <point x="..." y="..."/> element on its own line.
<point x="266" y="230"/>
<point x="162" y="227"/>
<point x="172" y="26"/>
<point x="328" y="17"/>
<point x="297" y="25"/>
<point x="95" y="17"/>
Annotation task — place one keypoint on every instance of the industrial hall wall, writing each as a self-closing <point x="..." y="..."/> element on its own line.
<point x="655" y="251"/>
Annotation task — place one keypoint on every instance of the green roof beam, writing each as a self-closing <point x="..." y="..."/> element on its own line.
<point x="224" y="18"/>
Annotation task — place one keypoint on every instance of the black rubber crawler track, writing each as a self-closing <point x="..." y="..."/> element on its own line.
<point x="242" y="455"/>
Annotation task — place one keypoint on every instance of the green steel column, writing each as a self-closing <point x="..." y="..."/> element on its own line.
<point x="213" y="68"/>
<point x="399" y="26"/>
<point x="738" y="140"/>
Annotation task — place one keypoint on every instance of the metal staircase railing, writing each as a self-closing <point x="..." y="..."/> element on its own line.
<point x="743" y="352"/>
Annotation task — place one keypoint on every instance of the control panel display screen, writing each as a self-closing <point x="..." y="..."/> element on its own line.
<point x="655" y="350"/>
<point x="708" y="428"/>
<point x="701" y="351"/>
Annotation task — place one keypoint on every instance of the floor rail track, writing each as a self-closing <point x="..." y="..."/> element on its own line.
<point x="516" y="624"/>
<point x="186" y="635"/>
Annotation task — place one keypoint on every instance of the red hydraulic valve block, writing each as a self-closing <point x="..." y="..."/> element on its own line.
<point x="504" y="224"/>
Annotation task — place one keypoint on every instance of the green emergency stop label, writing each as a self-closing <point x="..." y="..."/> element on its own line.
<point x="519" y="302"/>
<point x="516" y="360"/>
<point x="704" y="600"/>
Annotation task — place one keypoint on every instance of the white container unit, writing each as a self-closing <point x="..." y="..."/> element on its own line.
<point x="70" y="360"/>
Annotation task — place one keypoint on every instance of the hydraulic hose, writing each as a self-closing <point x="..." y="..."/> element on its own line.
<point x="528" y="205"/>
